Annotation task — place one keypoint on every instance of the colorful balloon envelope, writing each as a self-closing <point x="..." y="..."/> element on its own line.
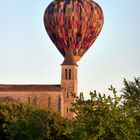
<point x="73" y="24"/>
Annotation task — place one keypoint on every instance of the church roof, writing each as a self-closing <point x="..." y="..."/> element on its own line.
<point x="28" y="88"/>
<point x="69" y="58"/>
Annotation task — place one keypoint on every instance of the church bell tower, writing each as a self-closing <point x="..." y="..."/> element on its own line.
<point x="69" y="82"/>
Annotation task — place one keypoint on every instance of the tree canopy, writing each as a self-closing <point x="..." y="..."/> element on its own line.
<point x="101" y="117"/>
<point x="131" y="93"/>
<point x="20" y="122"/>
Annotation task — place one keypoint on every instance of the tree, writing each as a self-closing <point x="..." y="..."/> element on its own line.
<point x="102" y="118"/>
<point x="2" y="121"/>
<point x="25" y="122"/>
<point x="99" y="118"/>
<point x="131" y="93"/>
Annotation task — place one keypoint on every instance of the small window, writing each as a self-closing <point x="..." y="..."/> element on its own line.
<point x="67" y="94"/>
<point x="69" y="73"/>
<point x="29" y="100"/>
<point x="67" y="110"/>
<point x="59" y="104"/>
<point x="49" y="102"/>
<point x="66" y="73"/>
<point x="34" y="101"/>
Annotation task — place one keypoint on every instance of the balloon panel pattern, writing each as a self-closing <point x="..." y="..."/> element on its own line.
<point x="73" y="23"/>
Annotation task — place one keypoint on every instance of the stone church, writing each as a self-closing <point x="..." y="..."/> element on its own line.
<point x="57" y="98"/>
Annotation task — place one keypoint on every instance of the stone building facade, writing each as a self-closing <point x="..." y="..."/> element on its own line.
<point x="57" y="98"/>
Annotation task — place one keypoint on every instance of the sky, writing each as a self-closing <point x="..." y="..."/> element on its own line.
<point x="28" y="56"/>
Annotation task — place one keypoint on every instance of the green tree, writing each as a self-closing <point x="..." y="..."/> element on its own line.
<point x="102" y="118"/>
<point x="25" y="122"/>
<point x="131" y="95"/>
<point x="2" y="122"/>
<point x="99" y="118"/>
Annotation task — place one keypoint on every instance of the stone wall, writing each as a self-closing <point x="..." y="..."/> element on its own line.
<point x="45" y="100"/>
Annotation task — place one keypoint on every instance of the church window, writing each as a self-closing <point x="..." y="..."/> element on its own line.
<point x="69" y="73"/>
<point x="66" y="73"/>
<point x="29" y="100"/>
<point x="59" y="104"/>
<point x="67" y="94"/>
<point x="67" y="110"/>
<point x="34" y="101"/>
<point x="49" y="102"/>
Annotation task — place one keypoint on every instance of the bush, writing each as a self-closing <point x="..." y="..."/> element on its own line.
<point x="20" y="122"/>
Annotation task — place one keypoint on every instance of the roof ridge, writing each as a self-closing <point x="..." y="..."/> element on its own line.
<point x="51" y="88"/>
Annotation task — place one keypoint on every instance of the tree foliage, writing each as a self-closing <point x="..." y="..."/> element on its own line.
<point x="102" y="118"/>
<point x="131" y="93"/>
<point x="20" y="122"/>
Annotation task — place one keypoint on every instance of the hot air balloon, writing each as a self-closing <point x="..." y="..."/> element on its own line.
<point x="73" y="24"/>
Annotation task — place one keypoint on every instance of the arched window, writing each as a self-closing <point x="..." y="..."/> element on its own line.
<point x="59" y="104"/>
<point x="49" y="102"/>
<point x="34" y="101"/>
<point x="69" y="73"/>
<point x="29" y="100"/>
<point x="67" y="110"/>
<point x="67" y="93"/>
<point x="66" y="73"/>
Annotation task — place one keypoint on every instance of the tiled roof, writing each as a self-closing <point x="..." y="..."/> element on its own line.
<point x="95" y="103"/>
<point x="50" y="88"/>
<point x="69" y="58"/>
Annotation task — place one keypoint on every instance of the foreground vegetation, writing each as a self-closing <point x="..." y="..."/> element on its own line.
<point x="99" y="118"/>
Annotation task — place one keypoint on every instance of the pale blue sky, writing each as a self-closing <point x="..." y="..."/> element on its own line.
<point x="27" y="55"/>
